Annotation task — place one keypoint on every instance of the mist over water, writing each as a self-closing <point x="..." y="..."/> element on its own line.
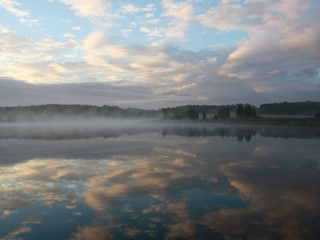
<point x="77" y="128"/>
<point x="73" y="126"/>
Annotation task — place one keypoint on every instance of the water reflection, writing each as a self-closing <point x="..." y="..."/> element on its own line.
<point x="147" y="186"/>
<point x="88" y="130"/>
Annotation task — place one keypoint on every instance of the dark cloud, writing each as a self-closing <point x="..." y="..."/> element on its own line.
<point x="13" y="92"/>
<point x="201" y="86"/>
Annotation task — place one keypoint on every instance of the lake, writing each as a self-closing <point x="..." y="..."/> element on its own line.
<point x="158" y="181"/>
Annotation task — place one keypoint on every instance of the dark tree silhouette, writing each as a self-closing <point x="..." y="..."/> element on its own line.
<point x="192" y="113"/>
<point x="245" y="111"/>
<point x="204" y="115"/>
<point x="223" y="113"/>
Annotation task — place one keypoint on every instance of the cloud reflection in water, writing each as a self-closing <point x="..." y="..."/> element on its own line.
<point x="178" y="188"/>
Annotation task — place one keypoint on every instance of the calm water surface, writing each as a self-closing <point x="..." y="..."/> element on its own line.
<point x="159" y="182"/>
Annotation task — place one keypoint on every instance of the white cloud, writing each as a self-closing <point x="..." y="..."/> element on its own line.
<point x="69" y="35"/>
<point x="76" y="28"/>
<point x="92" y="8"/>
<point x="13" y="7"/>
<point x="153" y="21"/>
<point x="21" y="58"/>
<point x="150" y="65"/>
<point x="150" y="7"/>
<point x="180" y="77"/>
<point x="230" y="1"/>
<point x="126" y="32"/>
<point x="181" y="14"/>
<point x="184" y="87"/>
<point x="152" y="32"/>
<point x="57" y="67"/>
<point x="98" y="44"/>
<point x="130" y="9"/>
<point x="228" y="17"/>
<point x="29" y="22"/>
<point x="149" y="15"/>
<point x="5" y="30"/>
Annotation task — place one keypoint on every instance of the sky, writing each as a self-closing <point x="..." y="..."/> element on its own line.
<point x="161" y="53"/>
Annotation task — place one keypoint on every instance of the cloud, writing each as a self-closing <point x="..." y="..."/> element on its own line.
<point x="13" y="7"/>
<point x="5" y="30"/>
<point x="84" y="8"/>
<point x="111" y="72"/>
<point x="22" y="58"/>
<point x="97" y="42"/>
<point x="146" y="64"/>
<point x="181" y="14"/>
<point x="29" y="22"/>
<point x="73" y="93"/>
<point x="171" y="74"/>
<point x="175" y="75"/>
<point x="130" y="9"/>
<point x="231" y="1"/>
<point x="149" y="7"/>
<point x="228" y="16"/>
<point x="152" y="32"/>
<point x="282" y="44"/>
<point x="76" y="28"/>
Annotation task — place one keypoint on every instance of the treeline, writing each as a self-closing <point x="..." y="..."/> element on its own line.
<point x="294" y="108"/>
<point x="192" y="112"/>
<point x="242" y="111"/>
<point x="58" y="111"/>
